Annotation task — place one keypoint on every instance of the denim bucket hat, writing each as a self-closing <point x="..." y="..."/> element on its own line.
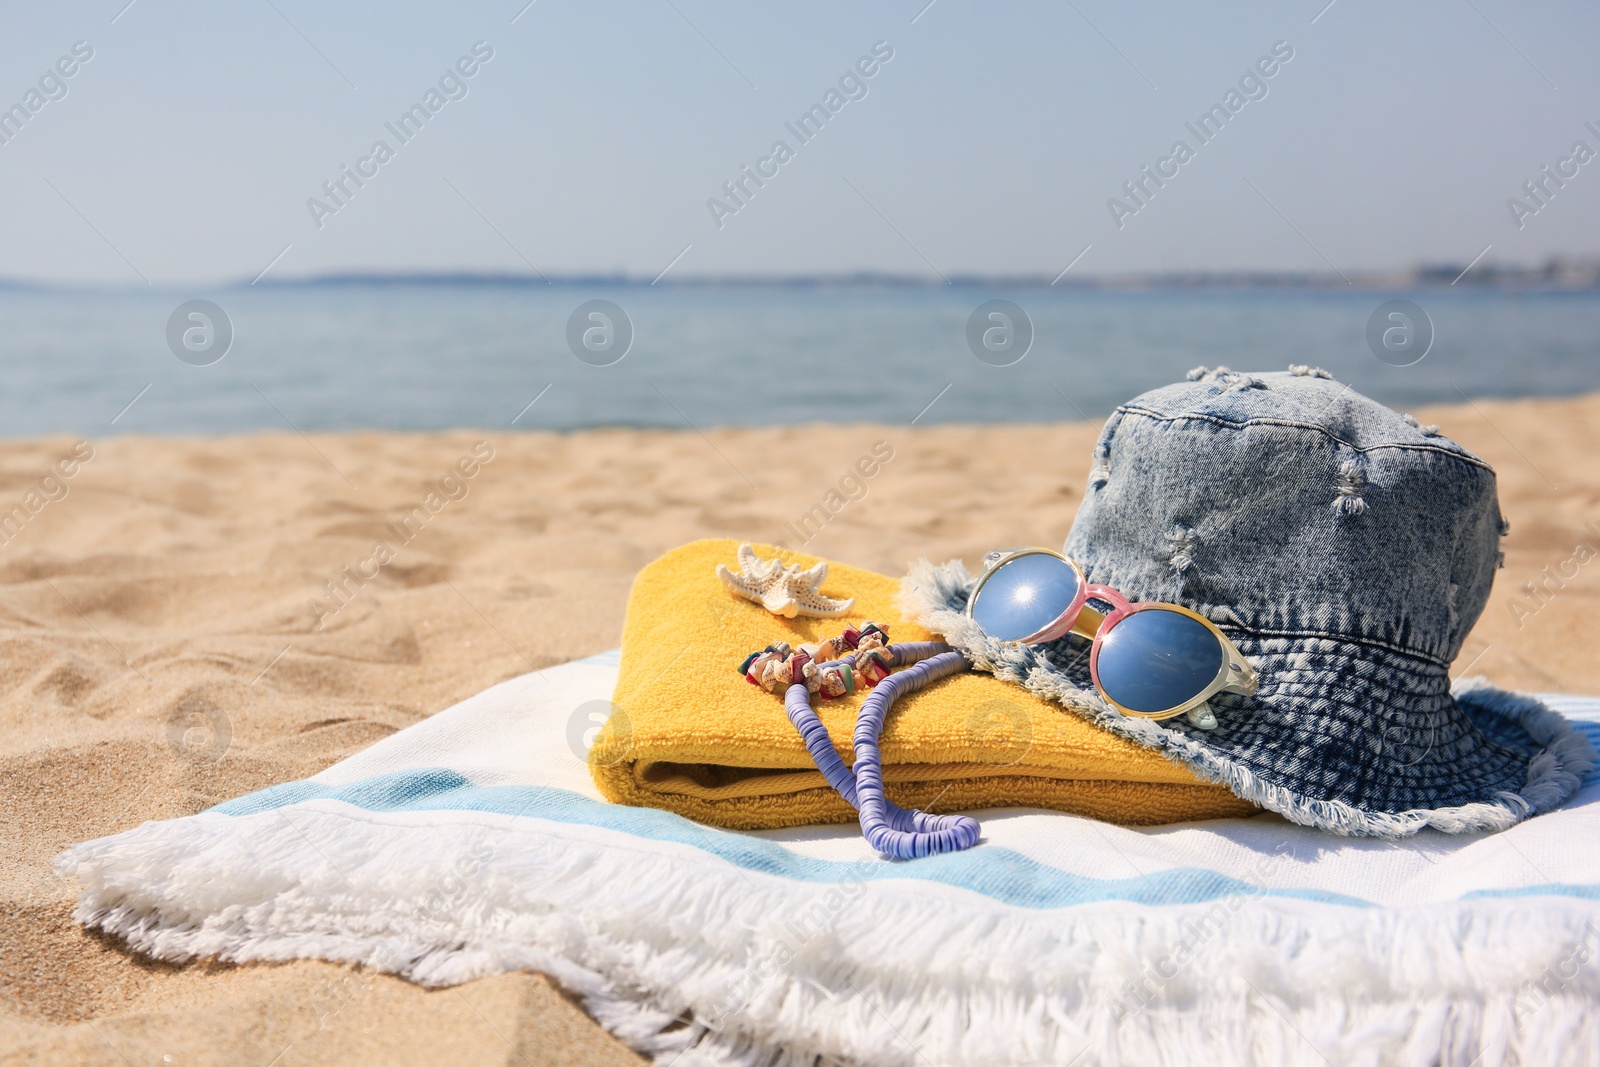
<point x="1346" y="551"/>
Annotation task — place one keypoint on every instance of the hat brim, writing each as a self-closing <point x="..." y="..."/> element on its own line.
<point x="1345" y="736"/>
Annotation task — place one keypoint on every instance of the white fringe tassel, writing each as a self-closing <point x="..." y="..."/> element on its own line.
<point x="691" y="961"/>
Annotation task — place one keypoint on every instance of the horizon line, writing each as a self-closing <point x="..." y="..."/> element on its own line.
<point x="1556" y="272"/>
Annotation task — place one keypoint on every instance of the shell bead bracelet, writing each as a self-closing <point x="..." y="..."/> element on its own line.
<point x="832" y="668"/>
<point x="864" y="655"/>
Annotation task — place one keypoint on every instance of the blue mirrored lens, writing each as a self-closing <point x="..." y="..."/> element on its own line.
<point x="1024" y="596"/>
<point x="1155" y="660"/>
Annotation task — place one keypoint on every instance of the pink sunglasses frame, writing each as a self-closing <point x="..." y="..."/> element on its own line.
<point x="1236" y="674"/>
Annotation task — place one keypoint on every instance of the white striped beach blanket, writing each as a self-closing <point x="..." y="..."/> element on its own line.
<point x="474" y="843"/>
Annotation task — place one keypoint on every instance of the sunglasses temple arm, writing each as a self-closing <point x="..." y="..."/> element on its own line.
<point x="1248" y="683"/>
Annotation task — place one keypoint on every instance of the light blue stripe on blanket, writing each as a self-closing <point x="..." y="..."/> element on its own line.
<point x="999" y="873"/>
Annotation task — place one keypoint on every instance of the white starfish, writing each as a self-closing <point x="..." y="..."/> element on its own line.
<point x="782" y="590"/>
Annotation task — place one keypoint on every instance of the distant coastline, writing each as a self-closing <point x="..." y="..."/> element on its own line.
<point x="1557" y="274"/>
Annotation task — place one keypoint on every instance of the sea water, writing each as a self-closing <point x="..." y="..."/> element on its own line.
<point x="419" y="356"/>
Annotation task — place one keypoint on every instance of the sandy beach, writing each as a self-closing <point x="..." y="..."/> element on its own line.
<point x="186" y="620"/>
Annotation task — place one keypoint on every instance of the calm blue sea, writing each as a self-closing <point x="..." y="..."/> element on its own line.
<point x="425" y="356"/>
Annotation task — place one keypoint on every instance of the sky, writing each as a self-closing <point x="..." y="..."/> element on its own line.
<point x="193" y="145"/>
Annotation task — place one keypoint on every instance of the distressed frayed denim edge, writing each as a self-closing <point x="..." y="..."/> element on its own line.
<point x="935" y="595"/>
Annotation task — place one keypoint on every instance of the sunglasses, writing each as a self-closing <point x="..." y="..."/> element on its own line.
<point x="1148" y="660"/>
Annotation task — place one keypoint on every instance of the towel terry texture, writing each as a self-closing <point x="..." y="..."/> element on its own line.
<point x="688" y="734"/>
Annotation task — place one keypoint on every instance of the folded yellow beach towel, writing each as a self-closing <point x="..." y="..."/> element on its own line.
<point x="687" y="733"/>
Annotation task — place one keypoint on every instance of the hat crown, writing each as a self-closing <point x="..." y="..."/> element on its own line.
<point x="1288" y="503"/>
